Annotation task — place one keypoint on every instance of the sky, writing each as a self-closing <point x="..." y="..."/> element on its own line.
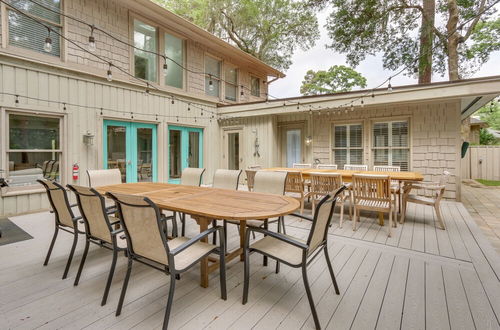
<point x="321" y="58"/>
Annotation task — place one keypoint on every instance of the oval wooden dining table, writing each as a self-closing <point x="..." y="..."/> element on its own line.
<point x="206" y="204"/>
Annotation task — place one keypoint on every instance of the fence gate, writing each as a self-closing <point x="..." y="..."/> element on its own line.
<point x="482" y="162"/>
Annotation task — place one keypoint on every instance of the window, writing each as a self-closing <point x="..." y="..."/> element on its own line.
<point x="231" y="87"/>
<point x="145" y="63"/>
<point x="348" y="144"/>
<point x="174" y="51"/>
<point x="34" y="149"/>
<point x="255" y="86"/>
<point x="212" y="78"/>
<point x="390" y="144"/>
<point x="27" y="33"/>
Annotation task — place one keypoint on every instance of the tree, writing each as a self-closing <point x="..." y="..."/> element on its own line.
<point x="270" y="30"/>
<point x="490" y="113"/>
<point x="486" y="138"/>
<point x="409" y="34"/>
<point x="338" y="78"/>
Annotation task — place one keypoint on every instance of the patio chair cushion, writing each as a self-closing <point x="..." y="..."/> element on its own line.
<point x="188" y="256"/>
<point x="279" y="249"/>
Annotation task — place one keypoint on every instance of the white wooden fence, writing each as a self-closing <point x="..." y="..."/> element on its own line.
<point x="481" y="162"/>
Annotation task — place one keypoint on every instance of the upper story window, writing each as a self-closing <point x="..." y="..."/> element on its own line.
<point x="212" y="78"/>
<point x="348" y="144"/>
<point x="145" y="63"/>
<point x="231" y="86"/>
<point x="390" y="144"/>
<point x="255" y="86"/>
<point x="34" y="148"/>
<point x="174" y="51"/>
<point x="27" y="33"/>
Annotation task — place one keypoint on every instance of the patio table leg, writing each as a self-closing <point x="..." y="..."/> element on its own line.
<point x="243" y="229"/>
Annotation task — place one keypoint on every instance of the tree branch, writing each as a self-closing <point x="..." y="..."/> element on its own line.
<point x="240" y="42"/>
<point x="474" y="23"/>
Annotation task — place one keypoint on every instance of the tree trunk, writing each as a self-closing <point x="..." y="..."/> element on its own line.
<point x="426" y="42"/>
<point x="453" y="40"/>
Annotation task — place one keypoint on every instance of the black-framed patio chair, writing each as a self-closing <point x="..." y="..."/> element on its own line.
<point x="147" y="243"/>
<point x="294" y="252"/>
<point x="98" y="230"/>
<point x="64" y="218"/>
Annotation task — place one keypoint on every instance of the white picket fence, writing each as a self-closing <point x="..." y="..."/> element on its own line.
<point x="481" y="162"/>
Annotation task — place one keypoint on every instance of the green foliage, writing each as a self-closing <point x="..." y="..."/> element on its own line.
<point x="490" y="113"/>
<point x="361" y="28"/>
<point x="486" y="138"/>
<point x="270" y="30"/>
<point x="338" y="78"/>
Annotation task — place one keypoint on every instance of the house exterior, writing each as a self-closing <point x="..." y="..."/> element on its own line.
<point x="61" y="109"/>
<point x="65" y="109"/>
<point x="471" y="127"/>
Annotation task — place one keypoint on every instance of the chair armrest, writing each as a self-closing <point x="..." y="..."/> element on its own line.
<point x="116" y="232"/>
<point x="194" y="240"/>
<point x="305" y="217"/>
<point x="279" y="236"/>
<point x="428" y="186"/>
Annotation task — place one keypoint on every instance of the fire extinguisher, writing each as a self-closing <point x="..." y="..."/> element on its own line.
<point x="76" y="169"/>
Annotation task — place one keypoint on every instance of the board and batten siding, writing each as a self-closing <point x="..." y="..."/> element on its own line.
<point x="126" y="100"/>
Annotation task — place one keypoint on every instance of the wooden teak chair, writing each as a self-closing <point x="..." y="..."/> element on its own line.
<point x="295" y="185"/>
<point x="372" y="193"/>
<point x="148" y="244"/>
<point x="294" y="252"/>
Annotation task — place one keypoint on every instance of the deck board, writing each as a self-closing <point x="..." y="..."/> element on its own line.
<point x="421" y="277"/>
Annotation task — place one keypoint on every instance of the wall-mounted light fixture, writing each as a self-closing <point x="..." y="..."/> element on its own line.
<point x="309" y="140"/>
<point x="88" y="139"/>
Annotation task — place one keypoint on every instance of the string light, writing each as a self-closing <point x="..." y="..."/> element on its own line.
<point x="147" y="89"/>
<point x="210" y="83"/>
<point x="362" y="102"/>
<point x="389" y="86"/>
<point x="109" y="75"/>
<point x="242" y="93"/>
<point x="173" y="100"/>
<point x="92" y="46"/>
<point x="17" y="100"/>
<point x="101" y="111"/>
<point x="189" y="106"/>
<point x="352" y="106"/>
<point x="165" y="66"/>
<point x="47" y="46"/>
<point x="64" y="106"/>
<point x="131" y="115"/>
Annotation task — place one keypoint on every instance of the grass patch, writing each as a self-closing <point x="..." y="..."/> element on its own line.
<point x="489" y="182"/>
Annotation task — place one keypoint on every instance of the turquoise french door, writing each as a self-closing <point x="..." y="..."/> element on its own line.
<point x="132" y="148"/>
<point x="185" y="150"/>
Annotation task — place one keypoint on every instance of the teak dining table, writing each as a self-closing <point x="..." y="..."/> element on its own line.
<point x="206" y="204"/>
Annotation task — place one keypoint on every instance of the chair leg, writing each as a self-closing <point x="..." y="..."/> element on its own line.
<point x="124" y="287"/>
<point x="302" y="205"/>
<point x="71" y="253"/>
<point x="341" y="214"/>
<point x="313" y="204"/>
<point x="170" y="301"/>
<point x="246" y="276"/>
<point x="224" y="225"/>
<point x="439" y="216"/>
<point x="175" y="233"/>
<point x="330" y="268"/>
<point x="51" y="246"/>
<point x="403" y="213"/>
<point x="354" y="219"/>
<point x="310" y="298"/>
<point x="390" y="223"/>
<point x="264" y="258"/>
<point x="283" y="224"/>
<point x="82" y="262"/>
<point x="214" y="238"/>
<point x="222" y="267"/>
<point x="110" y="277"/>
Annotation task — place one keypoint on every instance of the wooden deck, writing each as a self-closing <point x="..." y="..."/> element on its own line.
<point x="421" y="278"/>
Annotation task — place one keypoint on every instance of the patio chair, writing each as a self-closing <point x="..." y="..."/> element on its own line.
<point x="294" y="252"/>
<point x="190" y="176"/>
<point x="147" y="244"/>
<point x="436" y="190"/>
<point x="395" y="185"/>
<point x="352" y="167"/>
<point x="326" y="166"/>
<point x="64" y="218"/>
<point x="99" y="178"/>
<point x="298" y="165"/>
<point x="295" y="185"/>
<point x="323" y="184"/>
<point x="226" y="179"/>
<point x="372" y="193"/>
<point x="98" y="230"/>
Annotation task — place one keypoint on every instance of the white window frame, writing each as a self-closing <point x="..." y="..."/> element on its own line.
<point x="219" y="79"/>
<point x="59" y="151"/>
<point x="251" y="90"/>
<point x="235" y="84"/>
<point x="4" y="12"/>
<point x="348" y="142"/>
<point x="390" y="148"/>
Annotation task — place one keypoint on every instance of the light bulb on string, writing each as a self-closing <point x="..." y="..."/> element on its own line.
<point x="362" y="102"/>
<point x="147" y="89"/>
<point x="172" y="100"/>
<point x="389" y="86"/>
<point x="242" y="93"/>
<point x="47" y="46"/>
<point x="210" y="83"/>
<point x="352" y="106"/>
<point x="165" y="66"/>
<point x="189" y="106"/>
<point x="92" y="46"/>
<point x="110" y="74"/>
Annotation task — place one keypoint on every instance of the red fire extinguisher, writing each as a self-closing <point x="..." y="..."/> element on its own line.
<point x="76" y="169"/>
